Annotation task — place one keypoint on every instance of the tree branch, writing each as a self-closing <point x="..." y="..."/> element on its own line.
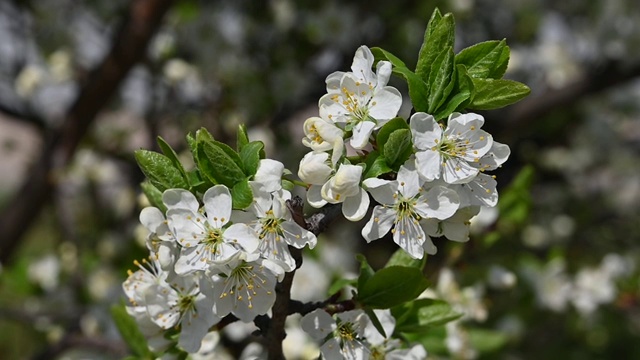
<point x="129" y="47"/>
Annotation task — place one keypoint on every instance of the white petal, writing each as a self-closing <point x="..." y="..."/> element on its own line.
<point x="424" y="130"/>
<point x="458" y="171"/>
<point x="383" y="71"/>
<point x="362" y="64"/>
<point x="498" y="154"/>
<point x="409" y="236"/>
<point x="242" y="235"/>
<point x="428" y="164"/>
<point x="318" y="324"/>
<point x="180" y="199"/>
<point x="438" y="202"/>
<point x="314" y="196"/>
<point x="298" y="237"/>
<point x="383" y="191"/>
<point x="355" y="207"/>
<point x="269" y="174"/>
<point x="361" y="134"/>
<point x="380" y="223"/>
<point x="186" y="226"/>
<point x="314" y="169"/>
<point x="333" y="81"/>
<point x="385" y="103"/>
<point x="151" y="218"/>
<point x="217" y="204"/>
<point x="429" y="247"/>
<point x="408" y="182"/>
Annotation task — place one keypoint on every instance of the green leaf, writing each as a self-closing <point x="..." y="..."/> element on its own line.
<point x="423" y="314"/>
<point x="168" y="151"/>
<point x="160" y="170"/>
<point x="401" y="258"/>
<point x="494" y="94"/>
<point x="376" y="165"/>
<point x="366" y="272"/>
<point x="203" y="135"/>
<point x="418" y="88"/>
<point x="153" y="195"/>
<point x="193" y="144"/>
<point x="217" y="162"/>
<point x="386" y="130"/>
<point x="398" y="148"/>
<point x="288" y="185"/>
<point x="485" y="340"/>
<point x="242" y="137"/>
<point x="339" y="284"/>
<point x="241" y="195"/>
<point x="440" y="34"/>
<point x="392" y="286"/>
<point x="440" y="79"/>
<point x="130" y="332"/>
<point x="487" y="59"/>
<point x="462" y="93"/>
<point x="250" y="157"/>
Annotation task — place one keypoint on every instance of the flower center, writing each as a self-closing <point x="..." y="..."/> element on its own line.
<point x="346" y="332"/>
<point x="186" y="303"/>
<point x="270" y="227"/>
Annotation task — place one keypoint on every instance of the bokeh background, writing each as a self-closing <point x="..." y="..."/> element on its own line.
<point x="552" y="273"/>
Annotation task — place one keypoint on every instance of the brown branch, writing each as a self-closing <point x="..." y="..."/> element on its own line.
<point x="129" y="47"/>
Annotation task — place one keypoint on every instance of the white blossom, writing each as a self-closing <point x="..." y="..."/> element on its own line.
<point x="449" y="154"/>
<point x="320" y="134"/>
<point x="360" y="100"/>
<point x="385" y="347"/>
<point x="342" y="335"/>
<point x="403" y="203"/>
<point x="203" y="237"/>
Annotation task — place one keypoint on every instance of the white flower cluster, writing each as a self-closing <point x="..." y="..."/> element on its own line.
<point x="208" y="261"/>
<point x="435" y="192"/>
<point x="352" y="335"/>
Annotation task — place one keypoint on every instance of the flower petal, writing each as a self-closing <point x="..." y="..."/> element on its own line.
<point x="180" y="199"/>
<point x="380" y="223"/>
<point x="217" y="204"/>
<point x="355" y="207"/>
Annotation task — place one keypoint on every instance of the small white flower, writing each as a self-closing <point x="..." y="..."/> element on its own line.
<point x="160" y="241"/>
<point x="181" y="304"/>
<point x="449" y="154"/>
<point x="360" y="100"/>
<point x="276" y="230"/>
<point x="344" y="187"/>
<point x="320" y="134"/>
<point x="203" y="238"/>
<point x="315" y="168"/>
<point x="403" y="203"/>
<point x="245" y="287"/>
<point x="343" y="336"/>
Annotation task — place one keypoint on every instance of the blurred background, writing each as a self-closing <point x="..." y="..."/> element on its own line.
<point x="551" y="273"/>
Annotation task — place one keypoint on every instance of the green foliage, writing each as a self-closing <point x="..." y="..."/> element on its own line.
<point x="130" y="333"/>
<point x="242" y="138"/>
<point x="486" y="60"/>
<point x="422" y="314"/>
<point x="160" y="170"/>
<point x="391" y="286"/>
<point x="376" y="165"/>
<point x="250" y="157"/>
<point x="219" y="163"/>
<point x="399" y="148"/>
<point x="171" y="154"/>
<point x="497" y="93"/>
<point x="402" y="258"/>
<point x="153" y="195"/>
<point x="241" y="195"/>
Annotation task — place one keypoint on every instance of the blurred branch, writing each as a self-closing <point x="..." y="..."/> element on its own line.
<point x="128" y="47"/>
<point x="23" y="117"/>
<point x="599" y="79"/>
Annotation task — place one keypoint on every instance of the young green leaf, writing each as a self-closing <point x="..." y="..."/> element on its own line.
<point x="153" y="195"/>
<point x="168" y="151"/>
<point x="440" y="34"/>
<point x="366" y="272"/>
<point x="250" y="157"/>
<point x="130" y="332"/>
<point x="494" y="94"/>
<point x="461" y="94"/>
<point x="398" y="148"/>
<point x="418" y="88"/>
<point x="339" y="284"/>
<point x="441" y="79"/>
<point x="392" y="286"/>
<point x="486" y="60"/>
<point x="241" y="195"/>
<point x="401" y="258"/>
<point x="376" y="165"/>
<point x="242" y="137"/>
<point x="160" y="170"/>
<point x="193" y="144"/>
<point x="204" y="135"/>
<point x="216" y="163"/>
<point x="423" y="314"/>
<point x="376" y="322"/>
<point x="386" y="130"/>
